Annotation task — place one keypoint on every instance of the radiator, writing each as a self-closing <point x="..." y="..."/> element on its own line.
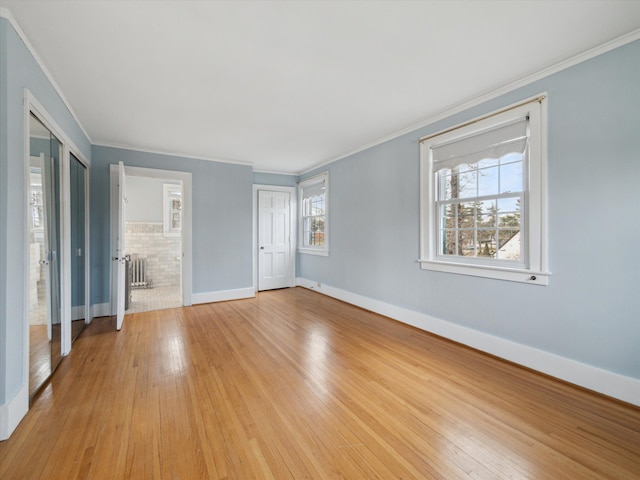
<point x="139" y="274"/>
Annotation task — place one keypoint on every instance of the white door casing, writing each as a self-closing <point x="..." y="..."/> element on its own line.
<point x="186" y="264"/>
<point x="275" y="262"/>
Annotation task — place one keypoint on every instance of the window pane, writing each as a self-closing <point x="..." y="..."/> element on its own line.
<point x="509" y="205"/>
<point x="488" y="162"/>
<point x="466" y="185"/>
<point x="509" y="241"/>
<point x="306" y="237"/>
<point x="444" y="182"/>
<point x="511" y="177"/>
<point x="466" y="243"/>
<point x="466" y="215"/>
<point x="318" y="231"/>
<point x="317" y="224"/>
<point x="447" y="213"/>
<point x="317" y="205"/>
<point x="511" y="220"/>
<point x="313" y="231"/>
<point x="486" y="242"/>
<point x="448" y="239"/>
<point x="488" y="181"/>
<point x="486" y="213"/>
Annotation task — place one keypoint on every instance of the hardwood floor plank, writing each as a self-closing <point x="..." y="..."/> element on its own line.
<point x="296" y="385"/>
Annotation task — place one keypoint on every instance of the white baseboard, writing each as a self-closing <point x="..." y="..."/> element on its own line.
<point x="101" y="310"/>
<point x="608" y="383"/>
<point x="223" y="295"/>
<point x="12" y="412"/>
<point x="77" y="313"/>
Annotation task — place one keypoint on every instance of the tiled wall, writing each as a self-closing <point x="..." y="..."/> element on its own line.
<point x="162" y="253"/>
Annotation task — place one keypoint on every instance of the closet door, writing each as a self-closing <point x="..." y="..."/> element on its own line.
<point x="44" y="255"/>
<point x="77" y="201"/>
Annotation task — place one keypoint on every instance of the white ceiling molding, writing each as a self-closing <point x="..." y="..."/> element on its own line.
<point x="171" y="154"/>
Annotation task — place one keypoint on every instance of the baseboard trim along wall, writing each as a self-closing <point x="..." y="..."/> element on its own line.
<point x="223" y="295"/>
<point x="602" y="381"/>
<point x="13" y="412"/>
<point x="101" y="310"/>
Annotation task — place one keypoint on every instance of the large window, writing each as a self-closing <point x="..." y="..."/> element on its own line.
<point x="483" y="202"/>
<point x="313" y="215"/>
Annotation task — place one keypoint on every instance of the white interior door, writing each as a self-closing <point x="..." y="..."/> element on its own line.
<point x="120" y="251"/>
<point x="274" y="240"/>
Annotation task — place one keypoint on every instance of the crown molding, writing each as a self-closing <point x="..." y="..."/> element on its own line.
<point x="490" y="95"/>
<point x="189" y="156"/>
<point x="5" y="13"/>
<point x="273" y="172"/>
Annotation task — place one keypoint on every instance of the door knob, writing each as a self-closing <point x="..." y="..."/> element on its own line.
<point x="261" y="248"/>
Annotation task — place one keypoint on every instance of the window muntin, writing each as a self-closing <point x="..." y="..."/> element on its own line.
<point x="483" y="196"/>
<point x="313" y="215"/>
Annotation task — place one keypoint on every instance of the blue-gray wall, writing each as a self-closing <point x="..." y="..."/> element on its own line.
<point x="590" y="311"/>
<point x="19" y="70"/>
<point x="221" y="220"/>
<point x="274" y="179"/>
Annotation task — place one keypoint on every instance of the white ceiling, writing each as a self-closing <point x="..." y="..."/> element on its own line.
<point x="285" y="86"/>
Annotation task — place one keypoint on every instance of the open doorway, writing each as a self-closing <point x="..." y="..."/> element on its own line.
<point x="157" y="236"/>
<point x="153" y="238"/>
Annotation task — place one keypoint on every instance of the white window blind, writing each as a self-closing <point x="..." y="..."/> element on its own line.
<point x="494" y="143"/>
<point x="315" y="190"/>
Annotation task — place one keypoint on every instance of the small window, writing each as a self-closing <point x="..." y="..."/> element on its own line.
<point x="483" y="202"/>
<point x="313" y="215"/>
<point x="172" y="222"/>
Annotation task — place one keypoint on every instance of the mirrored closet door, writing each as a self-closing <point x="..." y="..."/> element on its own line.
<point x="45" y="152"/>
<point x="77" y="201"/>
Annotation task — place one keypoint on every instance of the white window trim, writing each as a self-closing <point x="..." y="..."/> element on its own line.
<point x="324" y="250"/>
<point x="536" y="269"/>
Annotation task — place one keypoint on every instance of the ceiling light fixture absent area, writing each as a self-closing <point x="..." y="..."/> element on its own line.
<point x="288" y="87"/>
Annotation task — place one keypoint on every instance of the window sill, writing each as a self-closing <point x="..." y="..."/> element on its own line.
<point x="488" y="271"/>
<point x="311" y="251"/>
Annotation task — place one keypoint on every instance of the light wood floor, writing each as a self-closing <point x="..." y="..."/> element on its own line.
<point x="39" y="357"/>
<point x="295" y="385"/>
<point x="42" y="351"/>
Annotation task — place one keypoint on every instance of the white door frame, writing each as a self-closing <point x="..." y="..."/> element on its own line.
<point x="187" y="256"/>
<point x="293" y="211"/>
